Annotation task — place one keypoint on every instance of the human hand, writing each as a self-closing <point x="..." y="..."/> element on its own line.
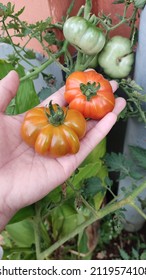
<point x="26" y="177"/>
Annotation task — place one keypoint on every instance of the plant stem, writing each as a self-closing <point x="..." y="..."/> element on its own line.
<point x="15" y="49"/>
<point x="81" y="10"/>
<point x="78" y="64"/>
<point x="89" y="207"/>
<point x="100" y="214"/>
<point x="45" y="64"/>
<point x="138" y="210"/>
<point x="87" y="9"/>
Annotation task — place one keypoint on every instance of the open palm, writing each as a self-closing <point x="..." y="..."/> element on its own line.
<point x="26" y="177"/>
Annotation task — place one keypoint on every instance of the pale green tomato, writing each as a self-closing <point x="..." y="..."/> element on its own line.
<point x="83" y="35"/>
<point x="139" y="3"/>
<point x="117" y="57"/>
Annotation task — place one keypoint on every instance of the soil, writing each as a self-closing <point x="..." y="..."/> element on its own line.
<point x="129" y="242"/>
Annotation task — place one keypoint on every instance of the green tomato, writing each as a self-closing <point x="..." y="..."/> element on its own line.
<point x="139" y="3"/>
<point x="83" y="35"/>
<point x="117" y="57"/>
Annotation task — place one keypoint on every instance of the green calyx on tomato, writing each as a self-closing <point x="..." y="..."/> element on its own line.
<point x="39" y="130"/>
<point x="83" y="35"/>
<point x="89" y="93"/>
<point x="117" y="57"/>
<point x="89" y="90"/>
<point x="56" y="117"/>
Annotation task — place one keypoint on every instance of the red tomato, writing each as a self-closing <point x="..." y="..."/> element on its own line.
<point x="90" y="93"/>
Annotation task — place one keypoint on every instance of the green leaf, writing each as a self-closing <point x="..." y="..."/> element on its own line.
<point x="50" y="38"/>
<point x="26" y="97"/>
<point x="143" y="256"/>
<point x="83" y="246"/>
<point x="135" y="254"/>
<point x="22" y="214"/>
<point x="65" y="219"/>
<point x="5" y="67"/>
<point x="20" y="12"/>
<point x="94" y="190"/>
<point x="91" y="187"/>
<point x="2" y="8"/>
<point x="22" y="233"/>
<point x="87" y="171"/>
<point x="6" y="10"/>
<point x="123" y="254"/>
<point x="30" y="54"/>
<point x="139" y="154"/>
<point x="118" y="163"/>
<point x="98" y="152"/>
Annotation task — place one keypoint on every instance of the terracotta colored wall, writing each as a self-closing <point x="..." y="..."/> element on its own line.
<point x="40" y="9"/>
<point x="36" y="10"/>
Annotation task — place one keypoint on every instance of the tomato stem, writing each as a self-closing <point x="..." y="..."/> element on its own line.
<point x="89" y="90"/>
<point x="56" y="116"/>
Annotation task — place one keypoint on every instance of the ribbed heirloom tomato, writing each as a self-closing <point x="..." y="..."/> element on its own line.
<point x="90" y="93"/>
<point x="53" y="130"/>
<point x="83" y="35"/>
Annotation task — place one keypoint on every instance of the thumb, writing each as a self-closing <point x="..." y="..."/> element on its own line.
<point x="8" y="88"/>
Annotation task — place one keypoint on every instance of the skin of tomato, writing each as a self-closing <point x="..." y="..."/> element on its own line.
<point x="117" y="57"/>
<point x="84" y="35"/>
<point x="75" y="120"/>
<point x="48" y="139"/>
<point x="57" y="141"/>
<point x="99" y="105"/>
<point x="34" y="120"/>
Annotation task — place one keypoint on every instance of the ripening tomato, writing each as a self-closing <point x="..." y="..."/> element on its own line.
<point x="53" y="130"/>
<point x="90" y="93"/>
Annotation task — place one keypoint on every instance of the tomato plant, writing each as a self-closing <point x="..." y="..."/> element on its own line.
<point x="90" y="93"/>
<point x="117" y="57"/>
<point x="77" y="201"/>
<point x="82" y="34"/>
<point x="54" y="130"/>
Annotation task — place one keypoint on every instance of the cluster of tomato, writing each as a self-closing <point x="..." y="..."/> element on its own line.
<point x="56" y="131"/>
<point x="115" y="55"/>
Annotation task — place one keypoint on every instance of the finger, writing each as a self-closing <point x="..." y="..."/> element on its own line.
<point x="114" y="85"/>
<point x="120" y="104"/>
<point x="102" y="128"/>
<point x="8" y="88"/>
<point x="97" y="131"/>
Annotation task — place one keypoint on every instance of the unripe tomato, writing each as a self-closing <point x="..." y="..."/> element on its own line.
<point x="83" y="35"/>
<point x="117" y="57"/>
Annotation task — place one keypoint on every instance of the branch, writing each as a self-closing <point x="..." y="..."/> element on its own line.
<point x="99" y="215"/>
